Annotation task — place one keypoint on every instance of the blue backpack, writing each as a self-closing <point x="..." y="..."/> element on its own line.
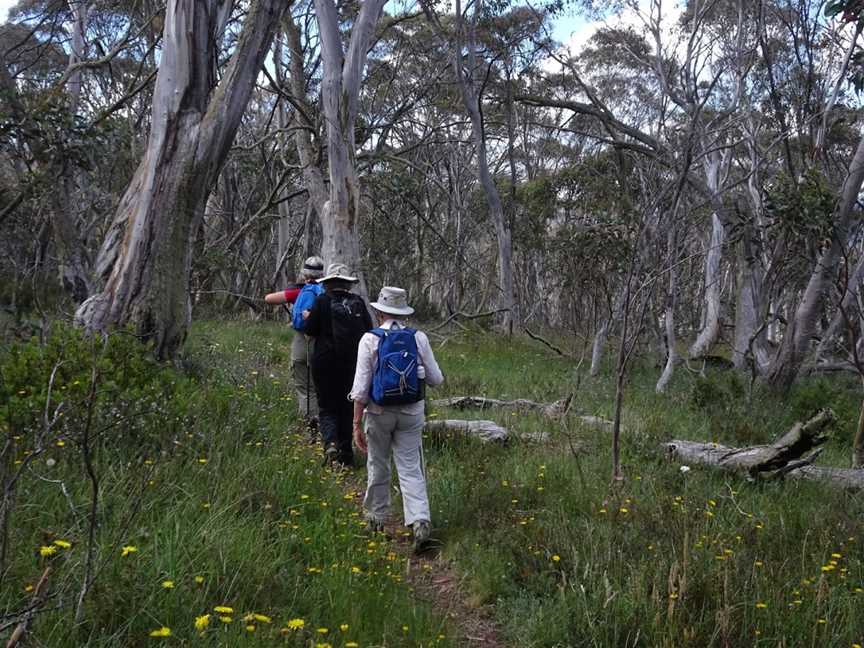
<point x="395" y="380"/>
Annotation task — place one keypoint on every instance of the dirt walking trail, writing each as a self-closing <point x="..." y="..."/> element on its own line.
<point x="434" y="579"/>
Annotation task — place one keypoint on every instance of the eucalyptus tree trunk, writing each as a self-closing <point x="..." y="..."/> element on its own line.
<point x="340" y="101"/>
<point x="749" y="312"/>
<point x="749" y="344"/>
<point x="669" y="316"/>
<point x="602" y="334"/>
<point x="313" y="179"/>
<point x="465" y="71"/>
<point x="848" y="309"/>
<point x="803" y="326"/>
<point x="73" y="263"/>
<point x="283" y="271"/>
<point x="711" y="309"/>
<point x="54" y="161"/>
<point x="194" y="122"/>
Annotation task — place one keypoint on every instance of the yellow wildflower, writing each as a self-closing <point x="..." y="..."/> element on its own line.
<point x="296" y="624"/>
<point x="322" y="631"/>
<point x="344" y="627"/>
<point x="63" y="544"/>
<point x="199" y="580"/>
<point x="128" y="549"/>
<point x="556" y="558"/>
<point x="47" y="550"/>
<point x="201" y="622"/>
<point x="164" y="631"/>
<point x="250" y="628"/>
<point x="226" y="619"/>
<point x="760" y="605"/>
<point x="352" y="644"/>
<point x="223" y="609"/>
<point x="262" y="618"/>
<point x="168" y="584"/>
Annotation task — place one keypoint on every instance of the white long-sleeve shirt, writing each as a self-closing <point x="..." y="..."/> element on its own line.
<point x="367" y="358"/>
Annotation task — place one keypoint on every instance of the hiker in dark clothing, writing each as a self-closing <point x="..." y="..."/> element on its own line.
<point x="337" y="321"/>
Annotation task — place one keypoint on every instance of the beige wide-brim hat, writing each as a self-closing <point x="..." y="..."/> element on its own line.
<point x="338" y="271"/>
<point x="393" y="301"/>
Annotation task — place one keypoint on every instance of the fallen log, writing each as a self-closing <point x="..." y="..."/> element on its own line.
<point x="798" y="441"/>
<point x="846" y="478"/>
<point x="485" y="431"/>
<point x="552" y="410"/>
<point x="791" y="456"/>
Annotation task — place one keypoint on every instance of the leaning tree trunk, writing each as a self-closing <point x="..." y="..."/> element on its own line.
<point x="802" y="328"/>
<point x="340" y="99"/>
<point x="193" y="125"/>
<point x="848" y="309"/>
<point x="669" y="316"/>
<point x="471" y="99"/>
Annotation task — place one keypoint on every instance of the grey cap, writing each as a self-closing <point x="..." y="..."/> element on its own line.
<point x="313" y="267"/>
<point x="393" y="301"/>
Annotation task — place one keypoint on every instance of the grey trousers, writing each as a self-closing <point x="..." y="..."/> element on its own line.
<point x="400" y="435"/>
<point x="301" y="354"/>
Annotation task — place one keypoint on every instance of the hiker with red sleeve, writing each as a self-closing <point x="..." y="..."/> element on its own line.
<point x="302" y="346"/>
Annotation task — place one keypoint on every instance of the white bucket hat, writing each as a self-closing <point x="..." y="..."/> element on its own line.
<point x="338" y="271"/>
<point x="393" y="301"/>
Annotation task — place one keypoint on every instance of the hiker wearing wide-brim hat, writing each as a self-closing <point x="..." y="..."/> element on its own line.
<point x="303" y="295"/>
<point x="338" y="272"/>
<point x="394" y="363"/>
<point x="337" y="320"/>
<point x="392" y="301"/>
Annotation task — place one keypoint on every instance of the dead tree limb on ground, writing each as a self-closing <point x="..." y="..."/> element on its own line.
<point x="548" y="344"/>
<point x="790" y="456"/>
<point x="552" y="410"/>
<point x="485" y="431"/>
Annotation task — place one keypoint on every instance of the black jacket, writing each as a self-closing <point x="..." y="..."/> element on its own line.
<point x="333" y="361"/>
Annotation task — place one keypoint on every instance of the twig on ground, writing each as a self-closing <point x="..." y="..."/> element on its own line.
<point x="534" y="336"/>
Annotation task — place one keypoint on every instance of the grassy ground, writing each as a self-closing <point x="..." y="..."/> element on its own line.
<point x="202" y="471"/>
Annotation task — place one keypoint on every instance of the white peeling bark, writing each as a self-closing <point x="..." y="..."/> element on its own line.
<point x="340" y="99"/>
<point x="711" y="314"/>
<point x="669" y="320"/>
<point x="193" y="126"/>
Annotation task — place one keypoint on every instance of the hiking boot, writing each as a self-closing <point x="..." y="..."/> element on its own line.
<point x="312" y="430"/>
<point x="422" y="531"/>
<point x="374" y="526"/>
<point x="331" y="454"/>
